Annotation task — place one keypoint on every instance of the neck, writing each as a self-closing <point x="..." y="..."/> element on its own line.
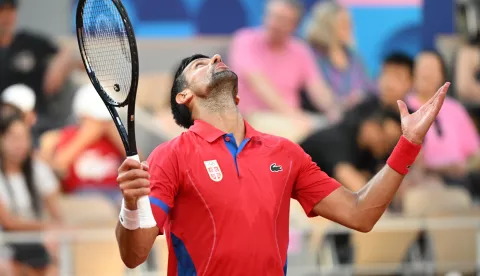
<point x="221" y="112"/>
<point x="337" y="56"/>
<point x="5" y="40"/>
<point x="11" y="168"/>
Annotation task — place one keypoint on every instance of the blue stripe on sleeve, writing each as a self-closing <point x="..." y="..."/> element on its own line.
<point x="157" y="202"/>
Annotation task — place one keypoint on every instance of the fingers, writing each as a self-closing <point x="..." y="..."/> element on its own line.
<point x="442" y="89"/>
<point x="132" y="175"/>
<point x="402" y="107"/>
<point x="135" y="193"/>
<point x="438" y="103"/>
<point x="129" y="164"/>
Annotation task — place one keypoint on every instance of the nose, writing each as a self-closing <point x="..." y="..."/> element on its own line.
<point x="216" y="59"/>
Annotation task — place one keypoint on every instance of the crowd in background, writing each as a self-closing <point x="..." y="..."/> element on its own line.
<point x="57" y="138"/>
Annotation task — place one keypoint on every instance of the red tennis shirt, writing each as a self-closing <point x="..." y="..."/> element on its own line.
<point x="225" y="208"/>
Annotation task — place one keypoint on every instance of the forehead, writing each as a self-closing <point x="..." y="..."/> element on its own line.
<point x="427" y="59"/>
<point x="192" y="64"/>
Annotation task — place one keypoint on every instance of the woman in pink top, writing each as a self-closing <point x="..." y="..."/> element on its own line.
<point x="453" y="140"/>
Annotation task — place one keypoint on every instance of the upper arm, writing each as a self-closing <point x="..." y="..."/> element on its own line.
<point x="164" y="182"/>
<point x="48" y="143"/>
<point x="338" y="207"/>
<point x="311" y="185"/>
<point x="45" y="180"/>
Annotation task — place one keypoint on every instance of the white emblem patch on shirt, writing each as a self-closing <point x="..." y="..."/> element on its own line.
<point x="213" y="170"/>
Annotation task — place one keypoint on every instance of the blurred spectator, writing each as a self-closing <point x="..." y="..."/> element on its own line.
<point x="22" y="97"/>
<point x="27" y="189"/>
<point x="34" y="61"/>
<point x="273" y="66"/>
<point x="330" y="35"/>
<point x="352" y="155"/>
<point x="86" y="155"/>
<point x="452" y="144"/>
<point x="394" y="82"/>
<point x="467" y="74"/>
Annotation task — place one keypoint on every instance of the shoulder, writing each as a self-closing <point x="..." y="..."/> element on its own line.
<point x="171" y="149"/>
<point x="40" y="167"/>
<point x="301" y="46"/>
<point x="280" y="144"/>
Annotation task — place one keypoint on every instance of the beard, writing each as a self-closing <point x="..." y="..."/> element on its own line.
<point x="223" y="89"/>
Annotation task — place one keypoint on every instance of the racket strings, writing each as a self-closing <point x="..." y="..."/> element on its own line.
<point x="107" y="49"/>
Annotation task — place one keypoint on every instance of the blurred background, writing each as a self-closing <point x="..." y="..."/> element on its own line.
<point x="325" y="74"/>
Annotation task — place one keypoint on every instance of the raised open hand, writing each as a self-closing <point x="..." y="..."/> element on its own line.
<point x="416" y="125"/>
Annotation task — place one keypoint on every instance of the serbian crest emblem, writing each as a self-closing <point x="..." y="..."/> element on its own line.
<point x="213" y="170"/>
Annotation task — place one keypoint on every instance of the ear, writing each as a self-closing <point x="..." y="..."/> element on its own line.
<point x="237" y="99"/>
<point x="184" y="97"/>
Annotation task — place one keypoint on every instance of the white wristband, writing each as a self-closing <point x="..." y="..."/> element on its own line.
<point x="145" y="213"/>
<point x="129" y="219"/>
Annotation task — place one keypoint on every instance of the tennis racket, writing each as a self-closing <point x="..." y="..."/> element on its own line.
<point x="109" y="52"/>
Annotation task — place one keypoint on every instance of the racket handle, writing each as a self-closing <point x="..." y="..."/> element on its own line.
<point x="143" y="205"/>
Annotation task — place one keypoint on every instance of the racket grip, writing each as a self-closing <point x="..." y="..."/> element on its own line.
<point x="145" y="214"/>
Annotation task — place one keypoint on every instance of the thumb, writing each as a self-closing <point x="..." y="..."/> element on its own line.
<point x="403" y="108"/>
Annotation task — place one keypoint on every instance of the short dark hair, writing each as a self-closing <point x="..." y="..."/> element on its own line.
<point x="401" y="59"/>
<point x="181" y="114"/>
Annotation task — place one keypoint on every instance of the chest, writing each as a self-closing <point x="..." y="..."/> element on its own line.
<point x="253" y="178"/>
<point x="283" y="68"/>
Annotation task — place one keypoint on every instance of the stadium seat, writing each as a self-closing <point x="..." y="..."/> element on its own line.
<point x="381" y="249"/>
<point x="97" y="254"/>
<point x="451" y="248"/>
<point x="87" y="211"/>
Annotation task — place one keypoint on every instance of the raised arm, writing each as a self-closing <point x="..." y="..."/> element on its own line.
<point x="361" y="210"/>
<point x="135" y="244"/>
<point x="160" y="182"/>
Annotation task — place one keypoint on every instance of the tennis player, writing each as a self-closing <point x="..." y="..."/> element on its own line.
<point x="221" y="191"/>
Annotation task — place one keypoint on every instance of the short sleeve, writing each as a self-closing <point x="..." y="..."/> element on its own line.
<point x="311" y="185"/>
<point x="164" y="182"/>
<point x="45" y="180"/>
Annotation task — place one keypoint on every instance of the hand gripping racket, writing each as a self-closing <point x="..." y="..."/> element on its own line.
<point x="109" y="52"/>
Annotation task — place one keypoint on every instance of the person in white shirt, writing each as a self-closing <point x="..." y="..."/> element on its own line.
<point x="28" y="188"/>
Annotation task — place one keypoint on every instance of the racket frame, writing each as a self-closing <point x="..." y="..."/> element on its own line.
<point x="128" y="138"/>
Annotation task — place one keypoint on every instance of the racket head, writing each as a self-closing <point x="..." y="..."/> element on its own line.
<point x="108" y="48"/>
<point x="111" y="59"/>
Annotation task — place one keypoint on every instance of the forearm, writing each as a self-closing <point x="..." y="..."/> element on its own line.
<point x="134" y="245"/>
<point x="374" y="198"/>
<point x="321" y="96"/>
<point x="14" y="224"/>
<point x="53" y="208"/>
